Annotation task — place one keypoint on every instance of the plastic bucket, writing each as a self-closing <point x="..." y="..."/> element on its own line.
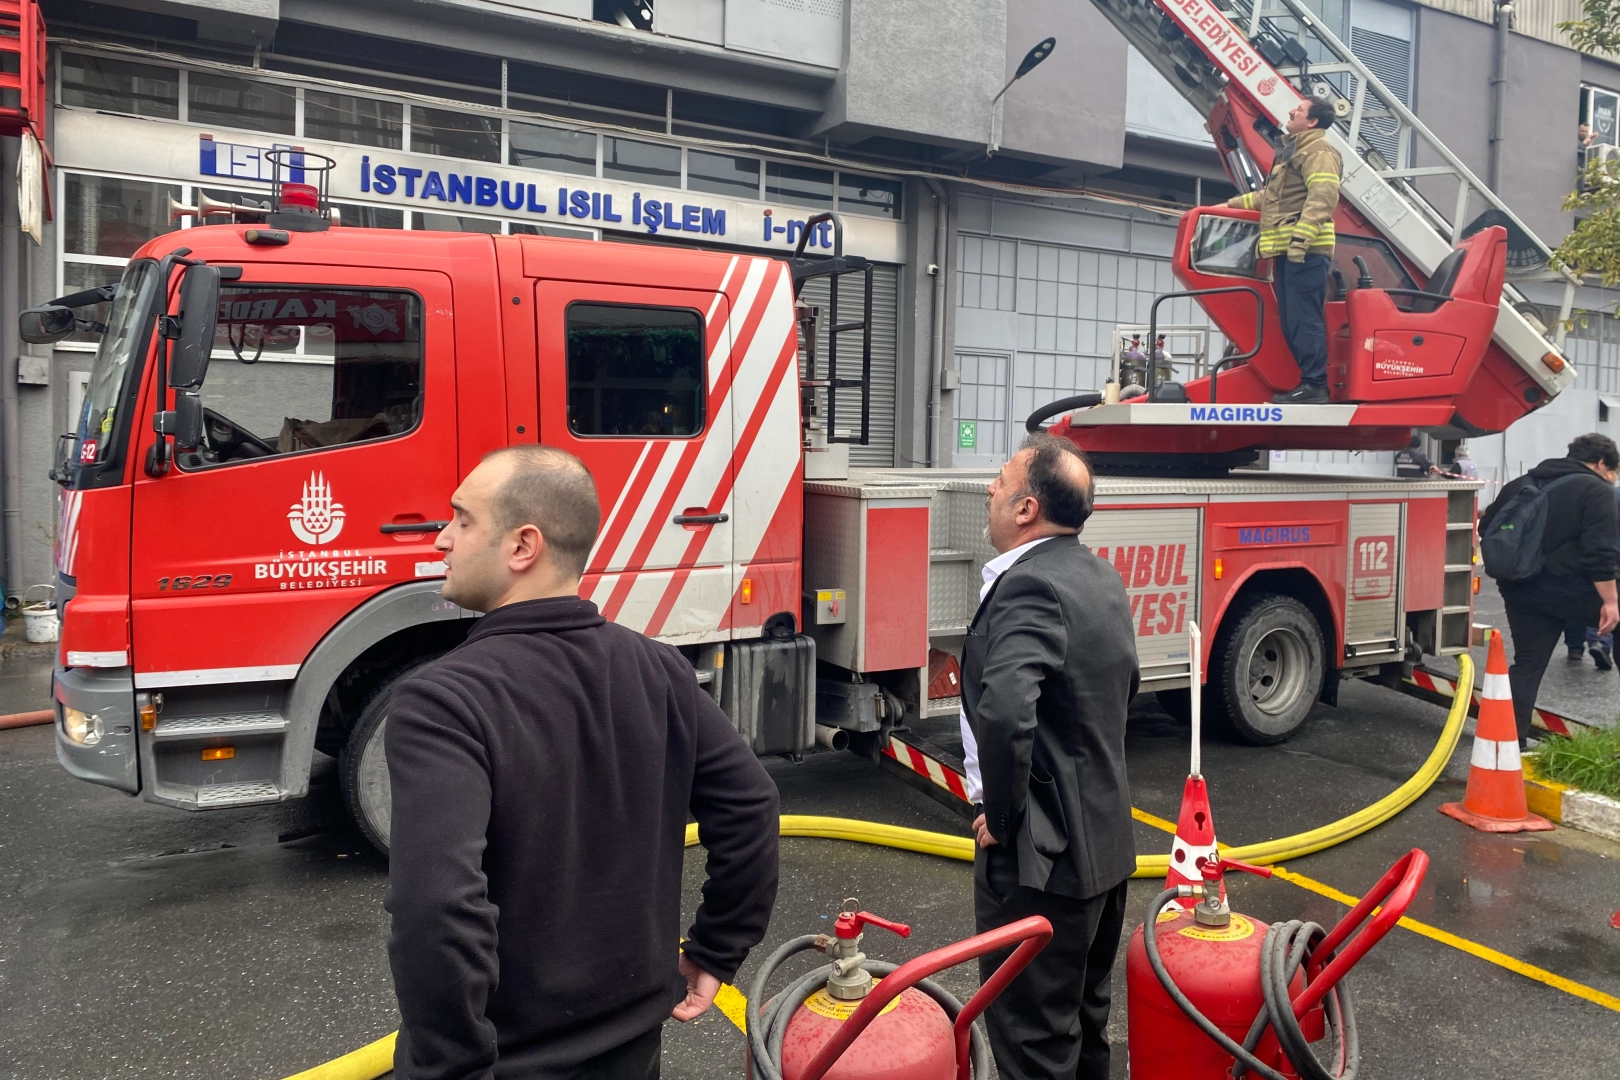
<point x="40" y="623"/>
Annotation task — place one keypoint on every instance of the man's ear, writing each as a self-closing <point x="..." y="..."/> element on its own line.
<point x="527" y="548"/>
<point x="1029" y="509"/>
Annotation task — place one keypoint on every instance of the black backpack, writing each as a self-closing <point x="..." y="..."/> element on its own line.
<point x="1511" y="546"/>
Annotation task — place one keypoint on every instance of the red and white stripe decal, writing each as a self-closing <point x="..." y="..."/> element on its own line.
<point x="1439" y="684"/>
<point x="918" y="762"/>
<point x="67" y="531"/>
<point x="748" y="455"/>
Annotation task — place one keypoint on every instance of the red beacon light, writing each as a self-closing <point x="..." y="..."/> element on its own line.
<point x="299" y="199"/>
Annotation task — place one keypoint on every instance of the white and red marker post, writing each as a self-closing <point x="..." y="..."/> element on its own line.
<point x="1194" y="843"/>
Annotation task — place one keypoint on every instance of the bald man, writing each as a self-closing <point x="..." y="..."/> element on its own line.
<point x="1048" y="672"/>
<point x="542" y="773"/>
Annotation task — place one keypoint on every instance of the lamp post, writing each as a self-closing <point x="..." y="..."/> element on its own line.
<point x="1031" y="61"/>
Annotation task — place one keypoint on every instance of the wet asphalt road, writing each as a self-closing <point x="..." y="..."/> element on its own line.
<point x="141" y="941"/>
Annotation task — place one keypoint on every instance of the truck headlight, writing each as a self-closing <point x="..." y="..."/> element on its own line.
<point x="80" y="727"/>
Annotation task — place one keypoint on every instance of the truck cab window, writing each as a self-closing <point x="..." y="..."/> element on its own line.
<point x="305" y="368"/>
<point x="635" y="371"/>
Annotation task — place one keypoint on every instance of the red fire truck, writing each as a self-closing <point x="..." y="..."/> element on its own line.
<point x="245" y="551"/>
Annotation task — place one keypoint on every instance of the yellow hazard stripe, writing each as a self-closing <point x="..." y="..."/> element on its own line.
<point x="1434" y="933"/>
<point x="1321" y="177"/>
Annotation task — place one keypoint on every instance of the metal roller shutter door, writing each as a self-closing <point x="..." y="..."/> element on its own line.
<point x="879" y="452"/>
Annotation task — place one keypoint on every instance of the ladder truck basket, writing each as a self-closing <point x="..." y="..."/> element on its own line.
<point x="833" y="268"/>
<point x="22" y="68"/>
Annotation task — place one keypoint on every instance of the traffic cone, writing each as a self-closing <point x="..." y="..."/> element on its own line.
<point x="1494" y="801"/>
<point x="1195" y="838"/>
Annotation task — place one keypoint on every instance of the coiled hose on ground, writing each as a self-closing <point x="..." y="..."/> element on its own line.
<point x="768" y="1023"/>
<point x="1287" y="947"/>
<point x="375" y="1059"/>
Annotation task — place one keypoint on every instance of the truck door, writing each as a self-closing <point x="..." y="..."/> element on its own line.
<point x="636" y="381"/>
<point x="329" y="418"/>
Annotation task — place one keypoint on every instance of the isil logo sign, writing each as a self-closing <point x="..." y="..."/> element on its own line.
<point x="316" y="519"/>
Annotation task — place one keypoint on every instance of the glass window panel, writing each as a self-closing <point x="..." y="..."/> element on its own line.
<point x="453" y="134"/>
<point x="798" y="185"/>
<point x="453" y="223"/>
<point x="102" y="216"/>
<point x="553" y="149"/>
<point x="308" y="367"/>
<point x="871" y="195"/>
<point x="341" y="118"/>
<point x="722" y="174"/>
<point x="635" y="371"/>
<point x="369" y="217"/>
<point x="220" y="99"/>
<point x="97" y="82"/>
<point x="648" y="163"/>
<point x="526" y="228"/>
<point x="77" y="277"/>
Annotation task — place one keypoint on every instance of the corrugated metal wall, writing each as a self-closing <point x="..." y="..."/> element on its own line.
<point x="879" y="451"/>
<point x="1534" y="18"/>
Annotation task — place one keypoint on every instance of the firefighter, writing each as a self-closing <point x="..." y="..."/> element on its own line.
<point x="1296" y="231"/>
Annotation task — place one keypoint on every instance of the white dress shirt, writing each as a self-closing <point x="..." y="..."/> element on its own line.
<point x="970" y="746"/>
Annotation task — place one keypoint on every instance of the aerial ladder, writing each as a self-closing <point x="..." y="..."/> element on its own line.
<point x="1463" y="354"/>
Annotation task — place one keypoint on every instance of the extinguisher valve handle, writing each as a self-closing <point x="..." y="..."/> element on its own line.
<point x="851" y="923"/>
<point x="1215" y="868"/>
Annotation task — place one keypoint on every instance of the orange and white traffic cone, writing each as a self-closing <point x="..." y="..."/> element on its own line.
<point x="1494" y="801"/>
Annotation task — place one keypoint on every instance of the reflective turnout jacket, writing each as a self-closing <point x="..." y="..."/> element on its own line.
<point x="1296" y="204"/>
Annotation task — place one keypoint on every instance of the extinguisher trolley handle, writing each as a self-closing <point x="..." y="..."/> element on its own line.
<point x="1390" y="897"/>
<point x="1031" y="936"/>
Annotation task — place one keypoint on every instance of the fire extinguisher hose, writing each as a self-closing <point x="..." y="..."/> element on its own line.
<point x="767" y="1023"/>
<point x="1287" y="947"/>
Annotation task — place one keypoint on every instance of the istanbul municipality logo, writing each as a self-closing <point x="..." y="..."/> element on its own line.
<point x="316" y="519"/>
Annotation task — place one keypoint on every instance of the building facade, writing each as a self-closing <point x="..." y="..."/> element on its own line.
<point x="1004" y="279"/>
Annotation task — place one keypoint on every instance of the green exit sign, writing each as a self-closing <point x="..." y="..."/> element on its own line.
<point x="967" y="434"/>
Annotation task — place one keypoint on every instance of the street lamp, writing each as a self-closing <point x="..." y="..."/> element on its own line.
<point x="1031" y="61"/>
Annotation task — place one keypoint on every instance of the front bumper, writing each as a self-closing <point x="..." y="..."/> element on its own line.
<point x="108" y="693"/>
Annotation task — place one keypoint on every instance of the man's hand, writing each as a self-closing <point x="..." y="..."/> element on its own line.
<point x="982" y="831"/>
<point x="700" y="990"/>
<point x="1609" y="618"/>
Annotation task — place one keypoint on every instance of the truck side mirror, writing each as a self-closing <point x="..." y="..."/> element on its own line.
<point x="199" y="312"/>
<point x="45" y="325"/>
<point x="188" y="419"/>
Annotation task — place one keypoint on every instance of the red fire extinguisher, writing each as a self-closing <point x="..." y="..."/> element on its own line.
<point x="907" y="1026"/>
<point x="1213" y="994"/>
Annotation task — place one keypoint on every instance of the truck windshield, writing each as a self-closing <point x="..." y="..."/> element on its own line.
<point x="126" y="331"/>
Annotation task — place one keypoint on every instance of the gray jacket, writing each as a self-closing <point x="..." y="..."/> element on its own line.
<point x="1049" y="670"/>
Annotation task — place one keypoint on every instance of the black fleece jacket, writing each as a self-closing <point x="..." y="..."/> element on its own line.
<point x="1583" y="528"/>
<point x="541" y="774"/>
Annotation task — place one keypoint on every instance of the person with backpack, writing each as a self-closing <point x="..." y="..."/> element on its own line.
<point x="1552" y="542"/>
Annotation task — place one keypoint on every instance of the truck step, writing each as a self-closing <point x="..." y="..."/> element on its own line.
<point x="213" y="796"/>
<point x="209" y="727"/>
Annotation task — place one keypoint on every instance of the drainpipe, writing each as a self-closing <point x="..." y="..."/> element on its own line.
<point x="1504" y="22"/>
<point x="936" y="358"/>
<point x="11" y="447"/>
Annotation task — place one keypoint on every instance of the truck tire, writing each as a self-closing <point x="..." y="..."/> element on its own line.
<point x="1265" y="671"/>
<point x="362" y="768"/>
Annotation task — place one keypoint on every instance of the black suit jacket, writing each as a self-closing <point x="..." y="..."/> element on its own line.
<point x="1048" y="673"/>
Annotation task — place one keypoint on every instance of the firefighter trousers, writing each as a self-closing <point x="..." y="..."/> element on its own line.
<point x="1052" y="1021"/>
<point x="1301" y="290"/>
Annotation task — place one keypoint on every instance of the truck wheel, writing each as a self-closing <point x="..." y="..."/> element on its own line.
<point x="1265" y="671"/>
<point x="362" y="767"/>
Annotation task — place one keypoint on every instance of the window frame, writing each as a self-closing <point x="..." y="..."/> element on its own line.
<point x="198" y="466"/>
<point x="703" y="368"/>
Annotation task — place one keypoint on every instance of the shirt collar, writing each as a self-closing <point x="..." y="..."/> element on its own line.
<point x="1003" y="562"/>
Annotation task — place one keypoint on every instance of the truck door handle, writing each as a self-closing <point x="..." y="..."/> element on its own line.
<point x="701" y="519"/>
<point x="413" y="526"/>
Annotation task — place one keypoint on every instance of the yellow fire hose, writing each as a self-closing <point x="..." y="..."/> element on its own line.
<point x="376" y="1059"/>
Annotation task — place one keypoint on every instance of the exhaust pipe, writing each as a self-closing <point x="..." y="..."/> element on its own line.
<point x="832" y="738"/>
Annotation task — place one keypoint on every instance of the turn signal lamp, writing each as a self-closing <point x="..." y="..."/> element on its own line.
<point x="148" y="717"/>
<point x="748" y="590"/>
<point x="219" y="753"/>
<point x="81" y="727"/>
<point x="1553" y="362"/>
<point x="1476" y="586"/>
<point x="1220" y="569"/>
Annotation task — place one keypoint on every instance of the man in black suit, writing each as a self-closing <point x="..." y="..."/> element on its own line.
<point x="1049" y="670"/>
